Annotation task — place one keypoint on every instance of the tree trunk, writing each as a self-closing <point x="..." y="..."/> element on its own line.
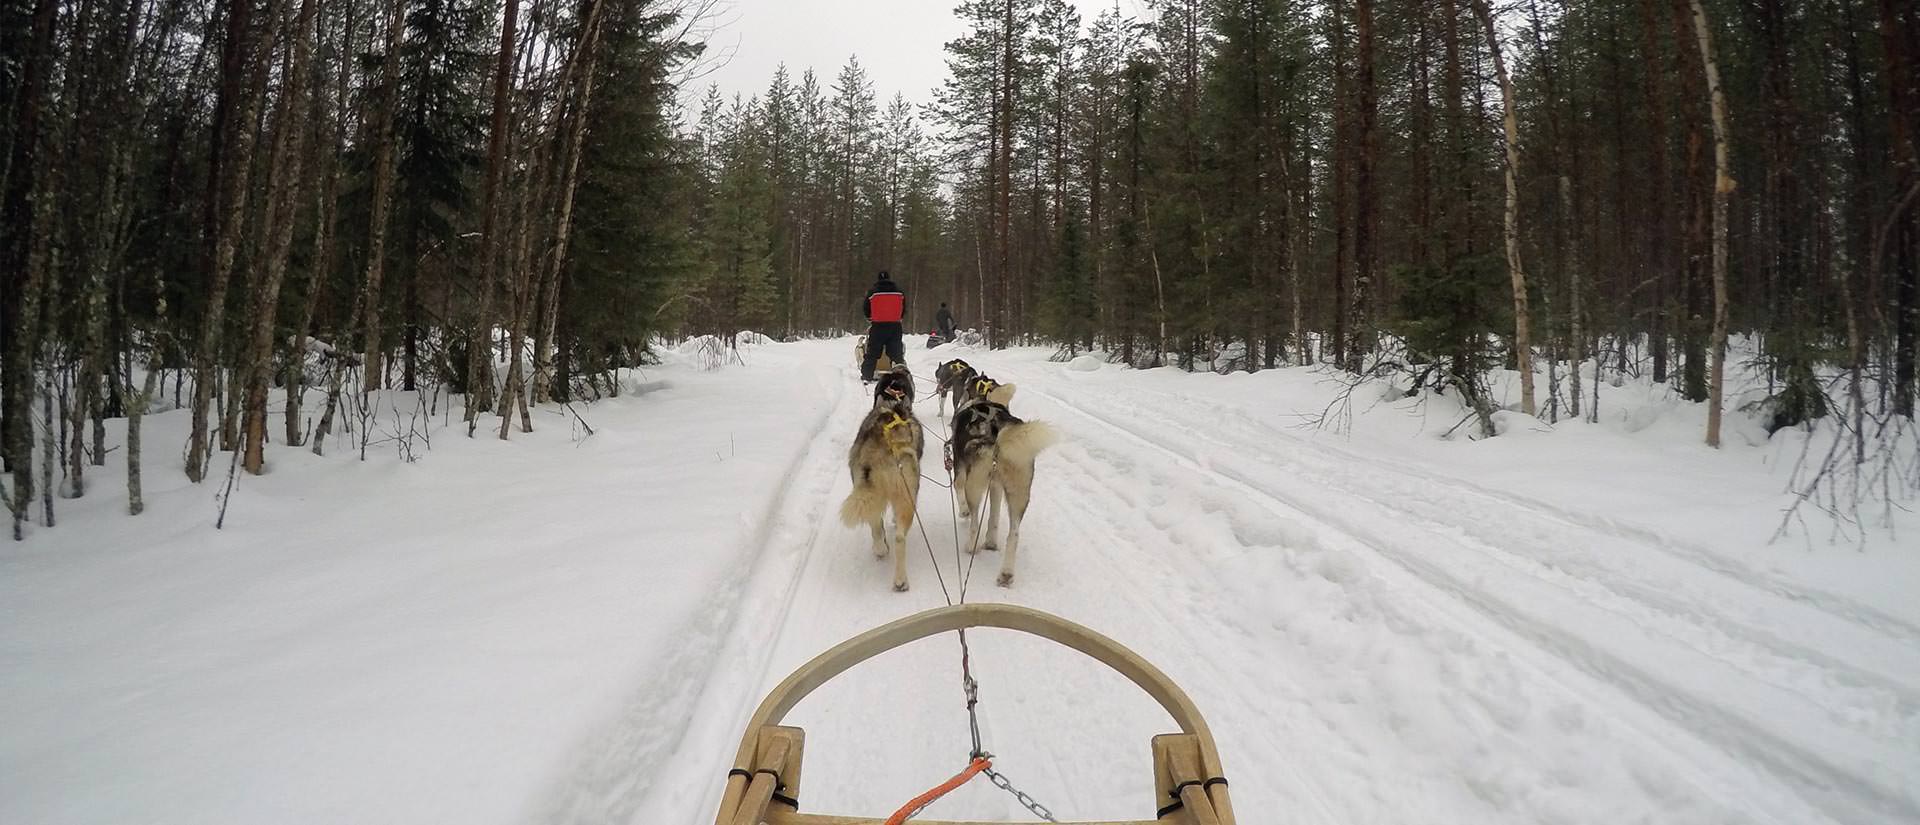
<point x="1897" y="35"/>
<point x="241" y="102"/>
<point x="1365" y="194"/>
<point x="1723" y="186"/>
<point x="382" y="196"/>
<point x="998" y="332"/>
<point x="284" y="185"/>
<point x="587" y="56"/>
<point x="1510" y="119"/>
<point x="492" y="244"/>
<point x="1340" y="197"/>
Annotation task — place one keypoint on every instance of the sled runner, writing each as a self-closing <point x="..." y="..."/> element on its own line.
<point x="764" y="785"/>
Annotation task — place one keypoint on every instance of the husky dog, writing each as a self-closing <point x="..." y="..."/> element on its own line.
<point x="896" y="384"/>
<point x="992" y="455"/>
<point x="950" y="380"/>
<point x="885" y="465"/>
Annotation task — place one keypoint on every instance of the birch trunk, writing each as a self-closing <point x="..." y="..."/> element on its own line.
<point x="1510" y="120"/>
<point x="232" y="206"/>
<point x="1723" y="186"/>
<point x="283" y="187"/>
<point x="585" y="59"/>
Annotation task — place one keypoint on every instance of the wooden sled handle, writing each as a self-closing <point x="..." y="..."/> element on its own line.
<point x="1181" y="752"/>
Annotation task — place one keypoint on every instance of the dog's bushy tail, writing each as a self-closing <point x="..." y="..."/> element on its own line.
<point x="1019" y="443"/>
<point x="862" y="506"/>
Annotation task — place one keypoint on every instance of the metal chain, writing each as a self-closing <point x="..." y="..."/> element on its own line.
<point x="1001" y="782"/>
<point x="972" y="689"/>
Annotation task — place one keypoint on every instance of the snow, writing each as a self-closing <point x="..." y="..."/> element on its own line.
<point x="1570" y="623"/>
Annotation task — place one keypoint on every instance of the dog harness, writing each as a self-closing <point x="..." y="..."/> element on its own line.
<point x="984" y="386"/>
<point x="898" y="445"/>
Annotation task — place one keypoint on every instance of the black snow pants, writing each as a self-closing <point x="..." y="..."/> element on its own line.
<point x="884" y="337"/>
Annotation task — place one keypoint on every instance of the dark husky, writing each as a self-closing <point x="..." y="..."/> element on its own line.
<point x="993" y="454"/>
<point x="895" y="384"/>
<point x="951" y="379"/>
<point x="885" y="465"/>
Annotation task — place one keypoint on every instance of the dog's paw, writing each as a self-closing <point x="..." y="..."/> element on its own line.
<point x="899" y="587"/>
<point x="880" y="552"/>
<point x="991" y="544"/>
<point x="1006" y="580"/>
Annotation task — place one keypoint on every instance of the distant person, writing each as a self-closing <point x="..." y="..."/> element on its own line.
<point x="943" y="322"/>
<point x="884" y="306"/>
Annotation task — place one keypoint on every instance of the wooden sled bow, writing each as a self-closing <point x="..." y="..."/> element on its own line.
<point x="764" y="785"/>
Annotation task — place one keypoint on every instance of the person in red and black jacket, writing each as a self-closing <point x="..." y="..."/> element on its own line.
<point x="885" y="305"/>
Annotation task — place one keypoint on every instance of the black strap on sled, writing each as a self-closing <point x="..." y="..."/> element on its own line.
<point x="779" y="785"/>
<point x="1175" y="793"/>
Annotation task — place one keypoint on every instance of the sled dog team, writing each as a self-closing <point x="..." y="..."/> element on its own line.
<point x="990" y="451"/>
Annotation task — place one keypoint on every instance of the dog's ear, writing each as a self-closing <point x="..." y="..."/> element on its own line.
<point x="1002" y="394"/>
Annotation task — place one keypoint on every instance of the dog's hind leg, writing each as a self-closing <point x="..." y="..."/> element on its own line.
<point x="879" y="536"/>
<point x="1017" y="484"/>
<point x="996" y="501"/>
<point x="972" y="484"/>
<point x="903" y="512"/>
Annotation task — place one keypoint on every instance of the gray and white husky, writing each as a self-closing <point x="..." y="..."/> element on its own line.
<point x="993" y="454"/>
<point x="885" y="465"/>
<point x="950" y="380"/>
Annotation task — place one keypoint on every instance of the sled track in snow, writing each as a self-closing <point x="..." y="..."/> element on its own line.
<point x="1674" y="549"/>
<point x="1793" y="634"/>
<point x="1844" y="791"/>
<point x="711" y="673"/>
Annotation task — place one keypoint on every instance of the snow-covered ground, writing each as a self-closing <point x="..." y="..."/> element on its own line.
<point x="1582" y="625"/>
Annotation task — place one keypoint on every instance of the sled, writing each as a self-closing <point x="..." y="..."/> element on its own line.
<point x="764" y="785"/>
<point x="880" y="365"/>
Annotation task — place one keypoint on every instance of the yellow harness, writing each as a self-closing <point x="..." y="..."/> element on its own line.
<point x="898" y="445"/>
<point x="984" y="386"/>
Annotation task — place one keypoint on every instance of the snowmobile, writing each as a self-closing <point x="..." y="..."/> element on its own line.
<point x="764" y="783"/>
<point x="934" y="339"/>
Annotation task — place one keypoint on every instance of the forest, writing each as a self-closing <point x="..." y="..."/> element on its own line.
<point x="259" y="212"/>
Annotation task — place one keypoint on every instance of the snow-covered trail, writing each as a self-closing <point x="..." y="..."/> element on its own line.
<point x="1372" y="641"/>
<point x="1378" y="631"/>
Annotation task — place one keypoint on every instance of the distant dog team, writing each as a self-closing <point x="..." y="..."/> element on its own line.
<point x="991" y="453"/>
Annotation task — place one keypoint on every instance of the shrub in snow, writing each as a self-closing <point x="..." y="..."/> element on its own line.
<point x="1084" y="363"/>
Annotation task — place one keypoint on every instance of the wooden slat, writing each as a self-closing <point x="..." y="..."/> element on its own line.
<point x="779" y="817"/>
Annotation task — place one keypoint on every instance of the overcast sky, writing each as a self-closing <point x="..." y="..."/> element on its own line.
<point x="900" y="42"/>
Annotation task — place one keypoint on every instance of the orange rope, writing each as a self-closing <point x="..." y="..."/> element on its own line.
<point x="979" y="763"/>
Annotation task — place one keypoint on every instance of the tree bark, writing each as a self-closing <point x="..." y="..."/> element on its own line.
<point x="1723" y="185"/>
<point x="241" y="102"/>
<point x="586" y="57"/>
<point x="492" y="242"/>
<point x="1510" y="120"/>
<point x="1365" y="194"/>
<point x="382" y="196"/>
<point x="284" y="185"/>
